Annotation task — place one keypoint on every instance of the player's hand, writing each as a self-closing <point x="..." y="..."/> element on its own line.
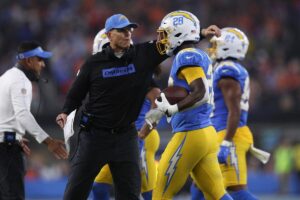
<point x="61" y="119"/>
<point x="163" y="104"/>
<point x="56" y="147"/>
<point x="211" y="31"/>
<point x="224" y="151"/>
<point x="24" y="146"/>
<point x="153" y="116"/>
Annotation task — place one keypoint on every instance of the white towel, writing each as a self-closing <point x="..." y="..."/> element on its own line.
<point x="261" y="155"/>
<point x="68" y="129"/>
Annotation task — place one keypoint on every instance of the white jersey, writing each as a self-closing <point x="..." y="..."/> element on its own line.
<point x="16" y="97"/>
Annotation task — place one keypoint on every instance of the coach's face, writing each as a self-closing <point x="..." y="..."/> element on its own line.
<point x="36" y="64"/>
<point x="120" y="38"/>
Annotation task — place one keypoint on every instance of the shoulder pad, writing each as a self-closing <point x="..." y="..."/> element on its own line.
<point x="228" y="69"/>
<point x="189" y="57"/>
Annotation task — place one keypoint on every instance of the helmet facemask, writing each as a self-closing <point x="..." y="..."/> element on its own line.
<point x="212" y="50"/>
<point x="162" y="41"/>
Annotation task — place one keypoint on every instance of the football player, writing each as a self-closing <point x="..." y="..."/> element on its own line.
<point x="231" y="104"/>
<point x="193" y="148"/>
<point x="232" y="90"/>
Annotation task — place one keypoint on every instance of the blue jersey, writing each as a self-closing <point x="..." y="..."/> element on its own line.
<point x="196" y="117"/>
<point x="141" y="118"/>
<point x="236" y="71"/>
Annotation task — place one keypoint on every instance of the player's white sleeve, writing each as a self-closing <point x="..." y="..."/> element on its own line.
<point x="19" y="96"/>
<point x="68" y="129"/>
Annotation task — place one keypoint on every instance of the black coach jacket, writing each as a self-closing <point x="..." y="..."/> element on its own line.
<point x="116" y="86"/>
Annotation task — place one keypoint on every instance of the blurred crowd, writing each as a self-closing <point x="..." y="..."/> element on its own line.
<point x="67" y="28"/>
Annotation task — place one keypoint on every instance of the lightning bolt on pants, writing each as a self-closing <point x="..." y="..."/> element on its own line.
<point x="192" y="152"/>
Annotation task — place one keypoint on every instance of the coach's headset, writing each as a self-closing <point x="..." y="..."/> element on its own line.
<point x="30" y="74"/>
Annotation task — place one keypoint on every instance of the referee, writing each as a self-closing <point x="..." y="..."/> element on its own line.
<point x="117" y="80"/>
<point x="16" y="118"/>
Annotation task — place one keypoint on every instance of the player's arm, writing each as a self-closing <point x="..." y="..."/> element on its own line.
<point x="195" y="77"/>
<point x="151" y="95"/>
<point x="232" y="93"/>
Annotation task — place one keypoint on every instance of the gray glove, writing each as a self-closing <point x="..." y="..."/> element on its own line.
<point x="153" y="117"/>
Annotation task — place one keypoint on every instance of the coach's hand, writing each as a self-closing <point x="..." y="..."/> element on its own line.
<point x="211" y="31"/>
<point x="164" y="105"/>
<point x="224" y="151"/>
<point x="61" y="119"/>
<point x="56" y="147"/>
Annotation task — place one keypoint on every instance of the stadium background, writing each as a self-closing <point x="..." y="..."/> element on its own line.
<point x="67" y="28"/>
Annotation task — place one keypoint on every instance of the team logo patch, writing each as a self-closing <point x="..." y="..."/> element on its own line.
<point x="122" y="17"/>
<point x="23" y="91"/>
<point x="118" y="71"/>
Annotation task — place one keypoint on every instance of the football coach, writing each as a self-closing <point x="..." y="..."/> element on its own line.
<point x="117" y="80"/>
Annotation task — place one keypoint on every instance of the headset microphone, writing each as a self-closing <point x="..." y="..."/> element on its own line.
<point x="44" y="80"/>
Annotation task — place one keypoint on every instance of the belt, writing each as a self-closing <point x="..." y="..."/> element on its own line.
<point x="18" y="137"/>
<point x="117" y="130"/>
